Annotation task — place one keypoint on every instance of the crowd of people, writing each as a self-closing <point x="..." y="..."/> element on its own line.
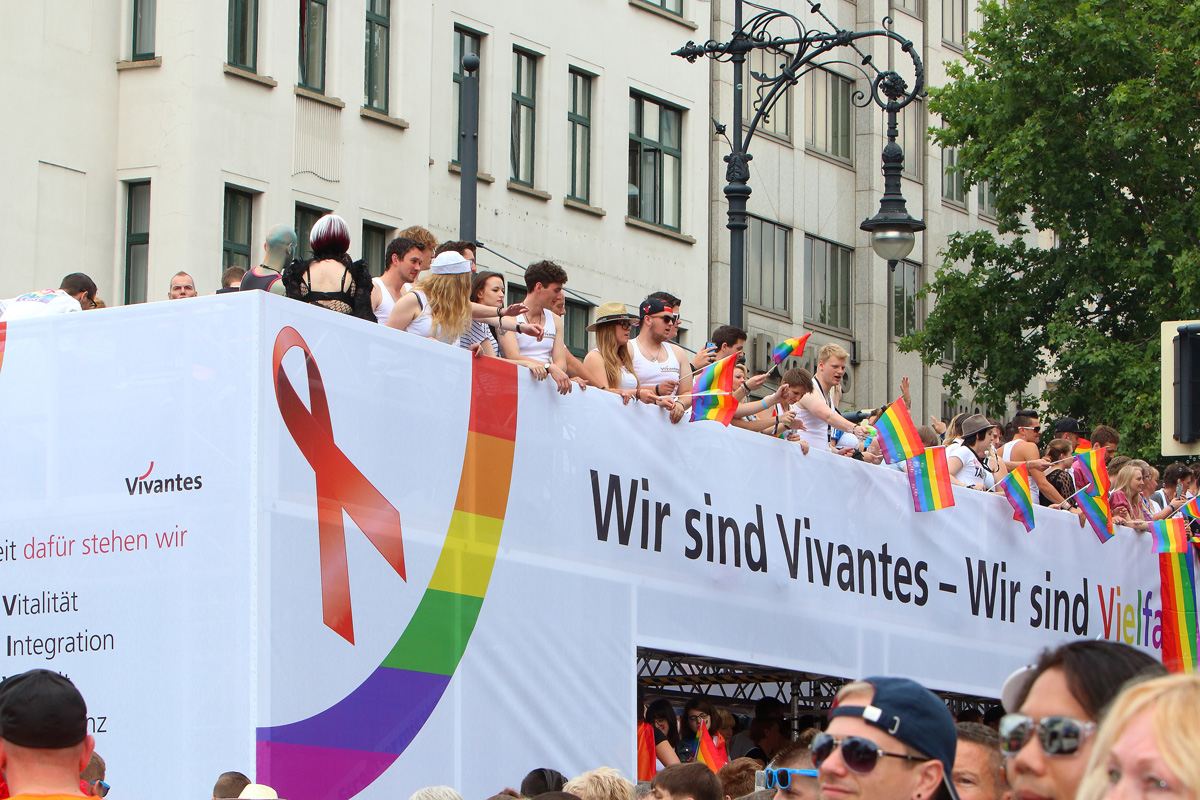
<point x="434" y="290"/>
<point x="1089" y="720"/>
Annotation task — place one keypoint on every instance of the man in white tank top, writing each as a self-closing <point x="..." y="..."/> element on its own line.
<point x="1024" y="447"/>
<point x="544" y="282"/>
<point x="404" y="260"/>
<point x="657" y="361"/>
<point x="818" y="409"/>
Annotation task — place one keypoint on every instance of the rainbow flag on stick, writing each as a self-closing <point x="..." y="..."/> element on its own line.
<point x="1096" y="511"/>
<point x="789" y="347"/>
<point x="1084" y="446"/>
<point x="646" y="764"/>
<point x="1095" y="472"/>
<point x="1170" y="535"/>
<point x="929" y="480"/>
<point x="898" y="437"/>
<point x="1191" y="508"/>
<point x="1016" y="488"/>
<point x="1178" y="575"/>
<point x="707" y="751"/>
<point x="717" y="378"/>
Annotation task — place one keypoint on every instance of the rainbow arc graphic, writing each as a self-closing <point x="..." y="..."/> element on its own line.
<point x="336" y="753"/>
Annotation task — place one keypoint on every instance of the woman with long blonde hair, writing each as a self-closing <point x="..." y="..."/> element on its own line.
<point x="610" y="366"/>
<point x="1127" y="496"/>
<point x="440" y="308"/>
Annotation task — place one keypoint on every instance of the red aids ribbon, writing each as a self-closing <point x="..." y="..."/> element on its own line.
<point x="340" y="486"/>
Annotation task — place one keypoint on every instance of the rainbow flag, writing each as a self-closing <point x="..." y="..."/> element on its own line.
<point x="1191" y="508"/>
<point x="1016" y="488"/>
<point x="789" y="347"/>
<point x="929" y="480"/>
<point x="897" y="435"/>
<point x="717" y="380"/>
<point x="1095" y="471"/>
<point x="1096" y="511"/>
<point x="1170" y="535"/>
<point x="1084" y="446"/>
<point x="646" y="763"/>
<point x="707" y="751"/>
<point x="1178" y="575"/>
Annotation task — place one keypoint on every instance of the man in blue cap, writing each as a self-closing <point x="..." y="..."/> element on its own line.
<point x="888" y="739"/>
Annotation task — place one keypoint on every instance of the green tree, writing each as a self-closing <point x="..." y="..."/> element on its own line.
<point x="1084" y="116"/>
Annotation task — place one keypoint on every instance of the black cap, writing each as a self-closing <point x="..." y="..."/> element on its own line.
<point x="40" y="708"/>
<point x="1069" y="425"/>
<point x="913" y="714"/>
<point x="651" y="306"/>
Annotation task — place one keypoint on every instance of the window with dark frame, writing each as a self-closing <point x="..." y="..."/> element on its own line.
<point x="954" y="22"/>
<point x="655" y="158"/>
<point x="313" y="26"/>
<point x="239" y="222"/>
<point x="671" y="6"/>
<point x="306" y="217"/>
<point x="987" y="200"/>
<point x="912" y="139"/>
<point x="377" y="56"/>
<point x="906" y="282"/>
<point x="575" y="322"/>
<point x="827" y="271"/>
<point x="143" y="29"/>
<point x="465" y="41"/>
<point x="374" y="246"/>
<point x="768" y="251"/>
<point x="914" y="7"/>
<point x="524" y="106"/>
<point x="830" y="121"/>
<point x="761" y="62"/>
<point x="243" y="35"/>
<point x="137" y="242"/>
<point x="952" y="179"/>
<point x="579" y="126"/>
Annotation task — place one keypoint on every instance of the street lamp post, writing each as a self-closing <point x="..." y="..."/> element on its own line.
<point x="892" y="229"/>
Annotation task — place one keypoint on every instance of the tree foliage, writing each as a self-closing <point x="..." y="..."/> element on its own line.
<point x="1084" y="117"/>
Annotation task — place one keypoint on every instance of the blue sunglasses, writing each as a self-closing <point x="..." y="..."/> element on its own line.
<point x="779" y="778"/>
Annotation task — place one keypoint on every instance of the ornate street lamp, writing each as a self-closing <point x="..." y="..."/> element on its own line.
<point x="892" y="229"/>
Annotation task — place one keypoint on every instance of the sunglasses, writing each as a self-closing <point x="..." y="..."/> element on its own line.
<point x="1034" y="428"/>
<point x="859" y="754"/>
<point x="669" y="319"/>
<point x="780" y="778"/>
<point x="626" y="324"/>
<point x="1059" y="736"/>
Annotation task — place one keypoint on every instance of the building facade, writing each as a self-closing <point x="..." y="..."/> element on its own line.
<point x="165" y="135"/>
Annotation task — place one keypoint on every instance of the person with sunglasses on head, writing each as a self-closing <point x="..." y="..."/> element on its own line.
<point x="1054" y="707"/>
<point x="888" y="739"/>
<point x="1146" y="746"/>
<point x="1023" y="448"/>
<point x="658" y="362"/>
<point x="978" y="766"/>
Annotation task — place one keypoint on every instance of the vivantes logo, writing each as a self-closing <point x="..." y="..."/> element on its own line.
<point x="147" y="485"/>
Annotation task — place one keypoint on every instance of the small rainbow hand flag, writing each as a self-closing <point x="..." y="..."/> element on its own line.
<point x="898" y="437"/>
<point x="1084" y="446"/>
<point x="1095" y="472"/>
<point x="789" y="347"/>
<point x="1191" y="508"/>
<point x="707" y="751"/>
<point x="929" y="480"/>
<point x="1170" y="535"/>
<point x="1178" y="581"/>
<point x="716" y="378"/>
<point x="1016" y="488"/>
<point x="646" y="765"/>
<point x="1096" y="511"/>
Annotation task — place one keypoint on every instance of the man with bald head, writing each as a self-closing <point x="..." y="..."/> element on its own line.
<point x="279" y="250"/>
<point x="44" y="743"/>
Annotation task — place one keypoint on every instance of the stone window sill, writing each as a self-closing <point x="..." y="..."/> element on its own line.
<point x="149" y="63"/>
<point x="634" y="222"/>
<point x="253" y="77"/>
<point x="584" y="207"/>
<point x="479" y="176"/>
<point x="318" y="97"/>
<point x="528" y="190"/>
<point x="377" y="116"/>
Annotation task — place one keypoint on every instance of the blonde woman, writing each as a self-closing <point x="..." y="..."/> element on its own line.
<point x="1146" y="746"/>
<point x="1127" y="497"/>
<point x="610" y="366"/>
<point x="441" y="307"/>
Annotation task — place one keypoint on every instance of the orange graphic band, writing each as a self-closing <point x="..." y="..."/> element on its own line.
<point x="340" y="486"/>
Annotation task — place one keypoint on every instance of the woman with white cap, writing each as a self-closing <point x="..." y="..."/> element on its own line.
<point x="971" y="461"/>
<point x="441" y="307"/>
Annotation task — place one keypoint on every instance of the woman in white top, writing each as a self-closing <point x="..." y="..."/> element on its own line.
<point x="969" y="461"/>
<point x="441" y="309"/>
<point x="610" y="366"/>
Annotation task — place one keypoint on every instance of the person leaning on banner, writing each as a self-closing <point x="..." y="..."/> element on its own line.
<point x="77" y="292"/>
<point x="888" y="739"/>
<point x="44" y="743"/>
<point x="817" y="409"/>
<point x="1054" y="707"/>
<point x="974" y="462"/>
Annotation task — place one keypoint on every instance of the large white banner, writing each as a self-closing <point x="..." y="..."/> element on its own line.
<point x="262" y="536"/>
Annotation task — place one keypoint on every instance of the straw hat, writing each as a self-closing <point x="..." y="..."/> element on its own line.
<point x="611" y="312"/>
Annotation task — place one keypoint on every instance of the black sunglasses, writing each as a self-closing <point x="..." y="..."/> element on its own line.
<point x="859" y="754"/>
<point x="1059" y="736"/>
<point x="780" y="778"/>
